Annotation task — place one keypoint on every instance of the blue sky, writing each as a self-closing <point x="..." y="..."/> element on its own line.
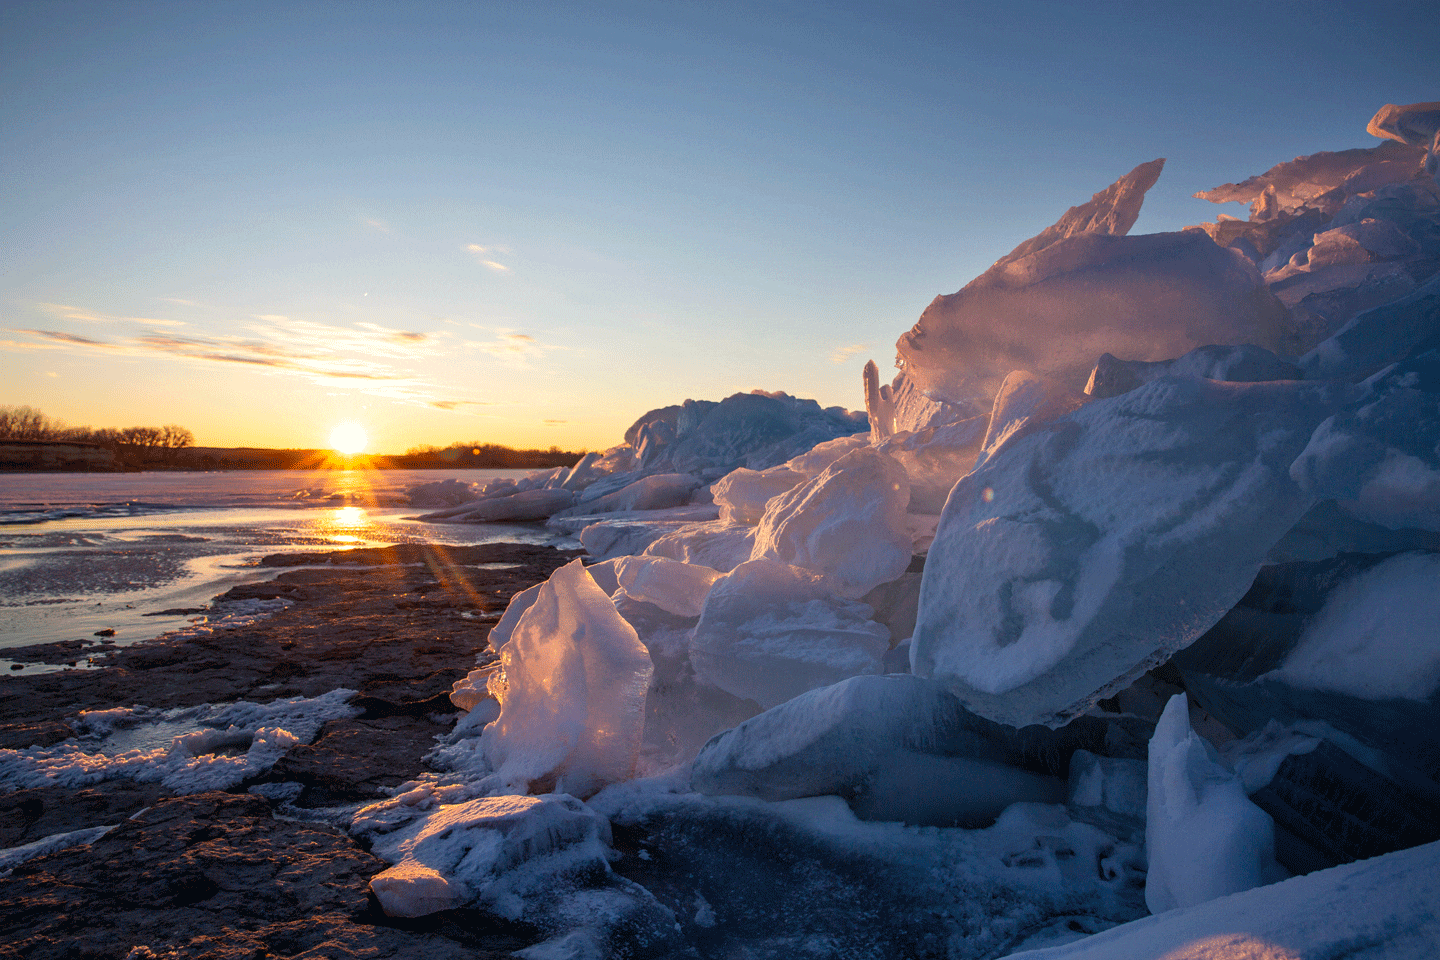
<point x="530" y="223"/>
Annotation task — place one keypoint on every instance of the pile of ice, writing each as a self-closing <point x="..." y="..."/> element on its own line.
<point x="1165" y="503"/>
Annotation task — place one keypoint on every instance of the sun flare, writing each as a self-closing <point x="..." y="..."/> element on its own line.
<point x="348" y="438"/>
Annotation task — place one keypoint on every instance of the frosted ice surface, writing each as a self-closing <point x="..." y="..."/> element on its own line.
<point x="571" y="690"/>
<point x="934" y="458"/>
<point x="742" y="493"/>
<point x="900" y="748"/>
<point x="1380" y="909"/>
<point x="493" y="851"/>
<point x="1096" y="546"/>
<point x="675" y="587"/>
<point x="1024" y="402"/>
<point x="1203" y="837"/>
<point x="914" y="411"/>
<point x="1150" y="297"/>
<point x="1381" y="458"/>
<point x="617" y="538"/>
<point x="180" y="748"/>
<point x="1378" y="635"/>
<point x="719" y="545"/>
<point x="1244" y="363"/>
<point x="1376" y="337"/>
<point x="770" y="631"/>
<point x="848" y="524"/>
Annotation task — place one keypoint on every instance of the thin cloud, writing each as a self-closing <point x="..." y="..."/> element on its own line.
<point x="485" y="257"/>
<point x="81" y="315"/>
<point x="517" y="349"/>
<point x="71" y="338"/>
<point x="843" y="354"/>
<point x="376" y="224"/>
<point x="552" y="423"/>
<point x="457" y="404"/>
<point x="183" y="303"/>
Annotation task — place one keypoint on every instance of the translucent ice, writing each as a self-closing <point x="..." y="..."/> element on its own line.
<point x="1203" y="836"/>
<point x="934" y="458"/>
<point x="847" y="524"/>
<point x="742" y="494"/>
<point x="494" y="851"/>
<point x="675" y="587"/>
<point x="1023" y="403"/>
<point x="769" y="631"/>
<point x="1059" y="301"/>
<point x="519" y="507"/>
<point x="1093" y="548"/>
<point x="1244" y="363"/>
<point x="571" y="690"/>
<point x="718" y="545"/>
<point x="656" y="492"/>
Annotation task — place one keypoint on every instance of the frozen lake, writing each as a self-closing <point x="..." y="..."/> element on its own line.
<point x="81" y="552"/>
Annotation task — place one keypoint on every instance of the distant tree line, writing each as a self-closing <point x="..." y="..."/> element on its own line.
<point x="489" y="456"/>
<point x="132" y="445"/>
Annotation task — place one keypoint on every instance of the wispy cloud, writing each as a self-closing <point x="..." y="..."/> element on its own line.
<point x="552" y="423"/>
<point x="181" y="302"/>
<point x="518" y="349"/>
<point x="371" y="355"/>
<point x="81" y="315"/>
<point x="376" y="224"/>
<point x="843" y="354"/>
<point x="70" y="338"/>
<point x="457" y="404"/>
<point x="485" y="256"/>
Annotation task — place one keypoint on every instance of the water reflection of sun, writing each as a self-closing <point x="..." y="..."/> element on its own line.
<point x="345" y="525"/>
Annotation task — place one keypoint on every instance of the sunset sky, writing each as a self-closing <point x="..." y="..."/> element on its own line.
<point x="530" y="223"/>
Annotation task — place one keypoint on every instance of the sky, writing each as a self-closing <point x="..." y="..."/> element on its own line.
<point x="529" y="223"/>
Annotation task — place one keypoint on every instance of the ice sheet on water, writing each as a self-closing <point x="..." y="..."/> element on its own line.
<point x="571" y="689"/>
<point x="1095" y="547"/>
<point x="188" y="749"/>
<point x="847" y="524"/>
<point x="520" y="507"/>
<point x="769" y="631"/>
<point x="1203" y="837"/>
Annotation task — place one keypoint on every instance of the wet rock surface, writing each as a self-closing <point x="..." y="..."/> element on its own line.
<point x="217" y="874"/>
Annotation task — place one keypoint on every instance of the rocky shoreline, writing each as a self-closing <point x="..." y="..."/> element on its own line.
<point x="218" y="873"/>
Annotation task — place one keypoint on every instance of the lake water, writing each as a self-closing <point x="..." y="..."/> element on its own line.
<point x="81" y="552"/>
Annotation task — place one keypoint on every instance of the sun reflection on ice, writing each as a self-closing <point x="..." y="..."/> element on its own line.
<point x="346" y="525"/>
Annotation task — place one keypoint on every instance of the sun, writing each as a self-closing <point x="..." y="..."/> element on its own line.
<point x="348" y="438"/>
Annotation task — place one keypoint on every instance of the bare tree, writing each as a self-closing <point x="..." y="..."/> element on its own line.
<point x="27" y="423"/>
<point x="175" y="436"/>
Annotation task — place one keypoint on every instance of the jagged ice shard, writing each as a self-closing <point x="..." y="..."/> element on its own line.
<point x="1082" y="288"/>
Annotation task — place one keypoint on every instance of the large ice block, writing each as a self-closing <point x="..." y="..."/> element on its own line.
<point x="847" y="524"/>
<point x="1093" y="548"/>
<point x="571" y="690"/>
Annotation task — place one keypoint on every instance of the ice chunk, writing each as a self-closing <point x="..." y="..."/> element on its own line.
<point x="617" y="538"/>
<point x="1203" y="837"/>
<point x="1245" y="363"/>
<point x="1381" y="459"/>
<point x="658" y="492"/>
<point x="1112" y="211"/>
<point x="879" y="404"/>
<point x="675" y="587"/>
<point x="915" y="412"/>
<point x="897" y="747"/>
<point x="477" y="851"/>
<point x="1415" y="124"/>
<point x="742" y="494"/>
<point x="934" y="458"/>
<point x="571" y="690"/>
<point x="1322" y="179"/>
<point x="1117" y="784"/>
<point x="1095" y="547"/>
<point x="848" y="524"/>
<point x="1387" y="904"/>
<point x="1377" y="636"/>
<point x="815" y="460"/>
<point x="1053" y="312"/>
<point x="521" y="507"/>
<point x="442" y="493"/>
<point x="1023" y="403"/>
<point x="717" y="545"/>
<point x="769" y="631"/>
<point x="519" y="603"/>
<point x="1377" y="337"/>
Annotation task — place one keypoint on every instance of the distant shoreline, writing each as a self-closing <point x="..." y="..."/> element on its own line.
<point x="40" y="457"/>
